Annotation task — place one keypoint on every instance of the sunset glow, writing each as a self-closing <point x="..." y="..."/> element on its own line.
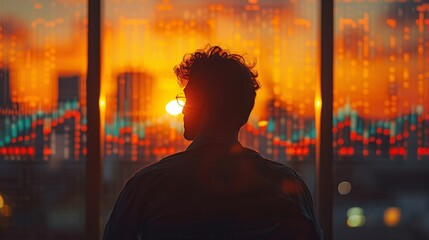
<point x="173" y="108"/>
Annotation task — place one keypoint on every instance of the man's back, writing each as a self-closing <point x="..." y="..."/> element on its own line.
<point x="216" y="191"/>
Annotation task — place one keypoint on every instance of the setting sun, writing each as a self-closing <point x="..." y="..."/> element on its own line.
<point x="173" y="108"/>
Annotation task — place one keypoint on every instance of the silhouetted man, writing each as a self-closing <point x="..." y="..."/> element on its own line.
<point x="216" y="189"/>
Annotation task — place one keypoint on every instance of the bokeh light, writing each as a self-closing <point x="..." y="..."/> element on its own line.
<point x="262" y="123"/>
<point x="317" y="102"/>
<point x="344" y="188"/>
<point x="392" y="216"/>
<point x="102" y="102"/>
<point x="355" y="217"/>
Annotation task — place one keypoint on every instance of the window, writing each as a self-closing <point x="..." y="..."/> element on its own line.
<point x="42" y="119"/>
<point x="144" y="40"/>
<point x="381" y="120"/>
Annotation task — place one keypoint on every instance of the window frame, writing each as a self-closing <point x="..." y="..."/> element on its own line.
<point x="94" y="152"/>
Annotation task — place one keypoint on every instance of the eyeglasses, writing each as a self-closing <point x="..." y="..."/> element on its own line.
<point x="181" y="99"/>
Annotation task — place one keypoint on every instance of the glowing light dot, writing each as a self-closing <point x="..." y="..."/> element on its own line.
<point x="392" y="216"/>
<point x="317" y="103"/>
<point x="355" y="217"/>
<point x="1" y="201"/>
<point x="356" y="221"/>
<point x="354" y="211"/>
<point x="173" y="108"/>
<point x="344" y="188"/>
<point x="102" y="102"/>
<point x="262" y="123"/>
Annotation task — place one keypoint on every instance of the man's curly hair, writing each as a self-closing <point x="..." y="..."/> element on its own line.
<point x="224" y="78"/>
<point x="211" y="56"/>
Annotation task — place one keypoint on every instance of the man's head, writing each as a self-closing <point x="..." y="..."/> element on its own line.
<point x="220" y="90"/>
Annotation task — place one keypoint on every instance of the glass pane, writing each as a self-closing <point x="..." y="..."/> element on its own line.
<point x="144" y="40"/>
<point x="381" y="120"/>
<point x="42" y="119"/>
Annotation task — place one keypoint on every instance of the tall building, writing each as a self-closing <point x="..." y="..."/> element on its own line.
<point x="135" y="92"/>
<point x="5" y="98"/>
<point x="68" y="88"/>
<point x="66" y="142"/>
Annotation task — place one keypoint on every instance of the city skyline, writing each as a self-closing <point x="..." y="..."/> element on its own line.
<point x="376" y="83"/>
<point x="280" y="134"/>
<point x="390" y="66"/>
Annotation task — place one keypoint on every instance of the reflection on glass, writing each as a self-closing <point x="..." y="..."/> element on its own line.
<point x="42" y="118"/>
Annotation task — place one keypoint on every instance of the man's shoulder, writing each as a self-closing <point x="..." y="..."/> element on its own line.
<point x="274" y="166"/>
<point x="163" y="164"/>
<point x="174" y="161"/>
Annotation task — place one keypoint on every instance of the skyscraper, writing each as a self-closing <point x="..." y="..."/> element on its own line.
<point x="68" y="88"/>
<point x="134" y="96"/>
<point x="69" y="91"/>
<point x="5" y="98"/>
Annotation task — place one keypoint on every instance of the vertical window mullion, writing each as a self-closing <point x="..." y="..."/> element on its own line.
<point x="93" y="160"/>
<point x="324" y="155"/>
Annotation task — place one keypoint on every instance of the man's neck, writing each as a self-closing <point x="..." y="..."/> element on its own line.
<point x="214" y="134"/>
<point x="212" y="137"/>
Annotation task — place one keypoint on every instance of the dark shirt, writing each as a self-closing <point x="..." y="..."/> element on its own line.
<point x="214" y="191"/>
